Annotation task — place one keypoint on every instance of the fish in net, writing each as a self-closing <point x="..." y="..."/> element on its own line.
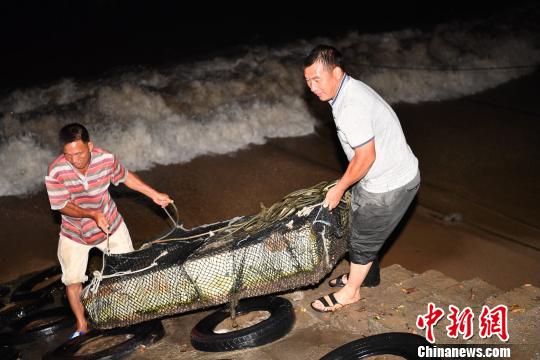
<point x="294" y="243"/>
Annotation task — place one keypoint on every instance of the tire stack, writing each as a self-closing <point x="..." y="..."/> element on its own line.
<point x="29" y="312"/>
<point x="30" y="315"/>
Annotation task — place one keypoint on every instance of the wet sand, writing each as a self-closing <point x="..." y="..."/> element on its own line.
<point x="476" y="214"/>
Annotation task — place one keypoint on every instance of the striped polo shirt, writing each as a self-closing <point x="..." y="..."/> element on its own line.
<point x="89" y="191"/>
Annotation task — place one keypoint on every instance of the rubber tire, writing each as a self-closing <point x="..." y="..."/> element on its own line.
<point x="20" y="334"/>
<point x="23" y="308"/>
<point x="8" y="353"/>
<point x="4" y="290"/>
<point x="392" y="343"/>
<point x="24" y="290"/>
<point x="276" y="326"/>
<point x="143" y="334"/>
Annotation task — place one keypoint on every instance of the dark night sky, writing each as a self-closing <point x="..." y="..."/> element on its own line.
<point x="46" y="40"/>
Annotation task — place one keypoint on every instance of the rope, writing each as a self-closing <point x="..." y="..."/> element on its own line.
<point x="98" y="275"/>
<point x="300" y="202"/>
<point x="316" y="220"/>
<point x="170" y="217"/>
<point x="175" y="222"/>
<point x="107" y="249"/>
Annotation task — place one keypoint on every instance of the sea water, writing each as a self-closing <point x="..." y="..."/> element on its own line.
<point x="222" y="103"/>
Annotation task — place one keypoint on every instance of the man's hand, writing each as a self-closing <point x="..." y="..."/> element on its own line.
<point x="333" y="197"/>
<point x="364" y="157"/>
<point x="134" y="182"/>
<point x="74" y="210"/>
<point x="161" y="199"/>
<point x="101" y="221"/>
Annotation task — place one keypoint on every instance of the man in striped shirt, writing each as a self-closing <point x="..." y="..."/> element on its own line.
<point x="77" y="184"/>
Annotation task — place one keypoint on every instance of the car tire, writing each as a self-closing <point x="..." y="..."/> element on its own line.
<point x="49" y="322"/>
<point x="9" y="353"/>
<point x="143" y="334"/>
<point x="19" y="309"/>
<point x="25" y="290"/>
<point x="392" y="343"/>
<point x="4" y="290"/>
<point x="280" y="322"/>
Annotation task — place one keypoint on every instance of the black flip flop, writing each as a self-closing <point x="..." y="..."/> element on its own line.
<point x="333" y="303"/>
<point x="338" y="282"/>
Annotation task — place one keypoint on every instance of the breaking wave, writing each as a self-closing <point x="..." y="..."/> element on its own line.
<point x="222" y="104"/>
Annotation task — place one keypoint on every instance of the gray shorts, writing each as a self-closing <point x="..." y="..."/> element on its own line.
<point x="374" y="216"/>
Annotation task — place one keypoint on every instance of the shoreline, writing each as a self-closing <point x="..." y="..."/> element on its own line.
<point x="478" y="165"/>
<point x="208" y="190"/>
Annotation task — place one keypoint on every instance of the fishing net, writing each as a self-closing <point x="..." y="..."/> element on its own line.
<point x="292" y="244"/>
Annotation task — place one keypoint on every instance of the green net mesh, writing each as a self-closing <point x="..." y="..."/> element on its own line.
<point x="294" y="243"/>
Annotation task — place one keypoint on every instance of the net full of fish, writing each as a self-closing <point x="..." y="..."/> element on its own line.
<point x="294" y="243"/>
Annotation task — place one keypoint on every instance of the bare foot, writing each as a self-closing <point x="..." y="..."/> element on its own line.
<point x="82" y="328"/>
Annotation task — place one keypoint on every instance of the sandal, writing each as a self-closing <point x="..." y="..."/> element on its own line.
<point x="338" y="282"/>
<point x="329" y="306"/>
<point x="372" y="279"/>
<point x="76" y="334"/>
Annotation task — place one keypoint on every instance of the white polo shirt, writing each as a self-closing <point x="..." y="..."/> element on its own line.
<point x="360" y="115"/>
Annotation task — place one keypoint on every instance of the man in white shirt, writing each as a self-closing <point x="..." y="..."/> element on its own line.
<point x="382" y="169"/>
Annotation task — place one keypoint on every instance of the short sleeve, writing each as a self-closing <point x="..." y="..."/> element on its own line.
<point x="58" y="193"/>
<point x="356" y="125"/>
<point x="119" y="173"/>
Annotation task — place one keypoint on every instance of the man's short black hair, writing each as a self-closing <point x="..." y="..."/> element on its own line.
<point x="328" y="55"/>
<point x="73" y="132"/>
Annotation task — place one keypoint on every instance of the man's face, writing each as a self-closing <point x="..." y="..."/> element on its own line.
<point x="322" y="81"/>
<point x="78" y="154"/>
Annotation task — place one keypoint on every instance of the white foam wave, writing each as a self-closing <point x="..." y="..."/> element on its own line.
<point x="165" y="116"/>
<point x="25" y="159"/>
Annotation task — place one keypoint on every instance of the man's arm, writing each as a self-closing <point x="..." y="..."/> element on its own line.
<point x="74" y="210"/>
<point x="364" y="156"/>
<point x="134" y="182"/>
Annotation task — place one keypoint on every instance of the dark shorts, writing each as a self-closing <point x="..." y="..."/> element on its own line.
<point x="374" y="216"/>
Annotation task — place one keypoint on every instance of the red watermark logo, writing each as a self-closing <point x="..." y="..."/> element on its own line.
<point x="492" y="321"/>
